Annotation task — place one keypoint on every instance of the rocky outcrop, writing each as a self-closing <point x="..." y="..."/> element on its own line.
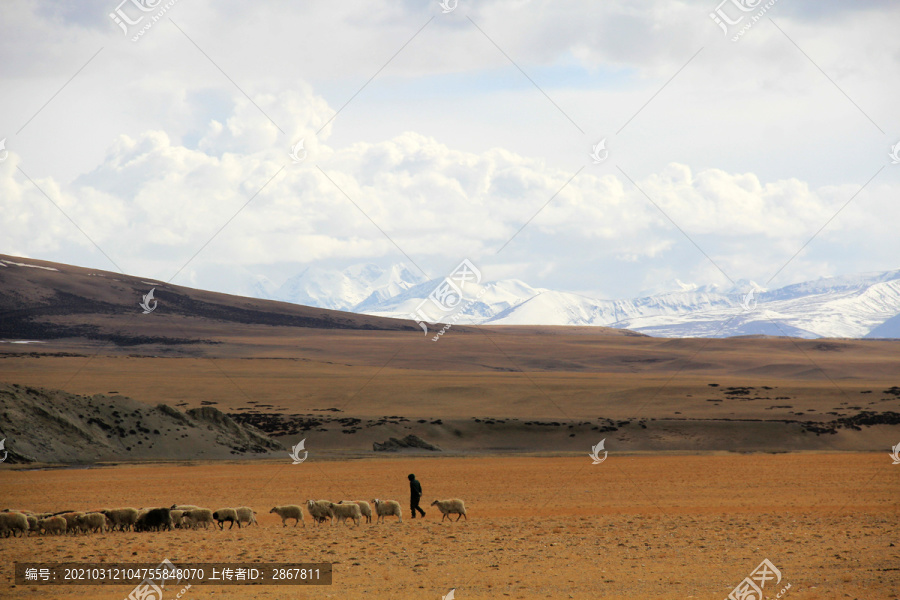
<point x="53" y="426"/>
<point x="413" y="442"/>
<point x="247" y="434"/>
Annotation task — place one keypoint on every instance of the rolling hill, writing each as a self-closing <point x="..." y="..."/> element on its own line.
<point x="345" y="381"/>
<point x="41" y="300"/>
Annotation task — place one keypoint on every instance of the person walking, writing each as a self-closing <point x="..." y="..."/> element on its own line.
<point x="415" y="494"/>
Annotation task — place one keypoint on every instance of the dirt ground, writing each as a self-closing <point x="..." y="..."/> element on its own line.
<point x="552" y="374"/>
<point x="639" y="526"/>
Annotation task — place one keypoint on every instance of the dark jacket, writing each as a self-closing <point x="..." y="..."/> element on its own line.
<point x="415" y="488"/>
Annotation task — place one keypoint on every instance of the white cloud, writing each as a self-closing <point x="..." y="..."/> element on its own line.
<point x="154" y="202"/>
<point x="450" y="150"/>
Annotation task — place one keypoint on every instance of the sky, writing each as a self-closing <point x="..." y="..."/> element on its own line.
<point x="435" y="133"/>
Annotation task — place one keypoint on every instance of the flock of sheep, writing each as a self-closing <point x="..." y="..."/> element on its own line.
<point x="186" y="516"/>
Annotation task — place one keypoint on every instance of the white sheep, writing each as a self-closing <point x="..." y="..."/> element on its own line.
<point x="196" y="517"/>
<point x="176" y="515"/>
<point x="342" y="512"/>
<point x="289" y="511"/>
<point x="91" y="522"/>
<point x="226" y="514"/>
<point x="364" y="508"/>
<point x="72" y="521"/>
<point x="122" y="519"/>
<point x="53" y="525"/>
<point x="246" y="515"/>
<point x="319" y="510"/>
<point x="11" y="522"/>
<point x="32" y="524"/>
<point x="453" y="506"/>
<point x="387" y="508"/>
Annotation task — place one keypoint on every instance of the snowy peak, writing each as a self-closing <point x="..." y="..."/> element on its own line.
<point x="344" y="290"/>
<point x="842" y="284"/>
<point x="850" y="306"/>
<point x="666" y="287"/>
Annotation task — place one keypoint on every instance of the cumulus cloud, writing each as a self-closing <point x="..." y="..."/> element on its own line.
<point x="153" y="203"/>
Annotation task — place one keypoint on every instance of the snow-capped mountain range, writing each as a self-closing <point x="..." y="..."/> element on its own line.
<point x="855" y="306"/>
